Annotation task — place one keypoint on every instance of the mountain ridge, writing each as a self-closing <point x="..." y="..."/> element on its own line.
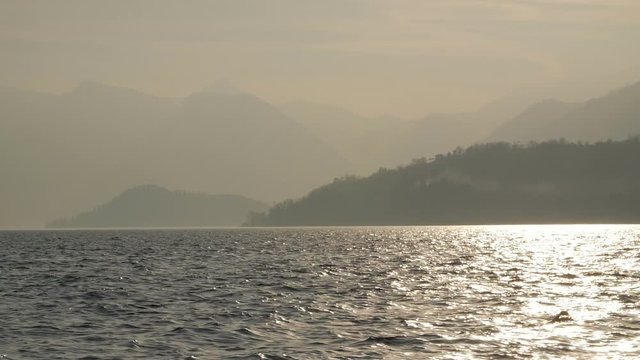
<point x="154" y="206"/>
<point x="614" y="115"/>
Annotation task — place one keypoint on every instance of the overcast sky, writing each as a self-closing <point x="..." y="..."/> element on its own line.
<point x="375" y="56"/>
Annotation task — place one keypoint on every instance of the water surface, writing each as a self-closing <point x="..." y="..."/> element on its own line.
<point x="324" y="293"/>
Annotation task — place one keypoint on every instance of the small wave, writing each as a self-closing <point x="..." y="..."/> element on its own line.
<point x="263" y="356"/>
<point x="94" y="295"/>
<point x="179" y="330"/>
<point x="69" y="279"/>
<point x="247" y="331"/>
<point x="398" y="340"/>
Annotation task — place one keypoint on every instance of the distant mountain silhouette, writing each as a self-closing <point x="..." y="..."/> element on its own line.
<point x="371" y="143"/>
<point x="613" y="116"/>
<point x="364" y="141"/>
<point x="224" y="86"/>
<point x="154" y="206"/>
<point x="438" y="133"/>
<point x="238" y="143"/>
<point x="64" y="153"/>
<point x="535" y="122"/>
<point x="550" y="182"/>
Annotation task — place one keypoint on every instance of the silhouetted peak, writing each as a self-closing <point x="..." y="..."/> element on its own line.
<point x="224" y="86"/>
<point x="222" y="89"/>
<point x="146" y="188"/>
<point x="237" y="102"/>
<point x="510" y="105"/>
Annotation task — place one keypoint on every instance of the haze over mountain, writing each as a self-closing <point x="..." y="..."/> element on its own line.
<point x="241" y="144"/>
<point x="551" y="182"/>
<point x="522" y="116"/>
<point x="64" y="153"/>
<point x="374" y="142"/>
<point x="60" y="153"/>
<point x="615" y="115"/>
<point x="154" y="206"/>
<point x="439" y="133"/>
<point x="366" y="142"/>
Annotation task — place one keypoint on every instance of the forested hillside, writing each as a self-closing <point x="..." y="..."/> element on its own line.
<point x="550" y="182"/>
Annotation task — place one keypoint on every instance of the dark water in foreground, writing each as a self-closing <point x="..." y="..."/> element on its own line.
<point x="393" y="293"/>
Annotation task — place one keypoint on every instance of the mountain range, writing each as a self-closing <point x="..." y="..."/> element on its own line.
<point x="62" y="154"/>
<point x="371" y="143"/>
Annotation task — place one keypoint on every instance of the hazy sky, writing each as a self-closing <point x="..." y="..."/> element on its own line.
<point x="375" y="56"/>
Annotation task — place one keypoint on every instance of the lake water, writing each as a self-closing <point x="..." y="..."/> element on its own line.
<point x="325" y="293"/>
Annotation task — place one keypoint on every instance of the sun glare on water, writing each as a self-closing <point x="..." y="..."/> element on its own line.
<point x="557" y="262"/>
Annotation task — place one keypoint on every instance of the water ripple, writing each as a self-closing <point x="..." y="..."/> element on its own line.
<point x="353" y="293"/>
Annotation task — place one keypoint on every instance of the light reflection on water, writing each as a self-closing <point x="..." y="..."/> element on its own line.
<point x="576" y="268"/>
<point x="396" y="292"/>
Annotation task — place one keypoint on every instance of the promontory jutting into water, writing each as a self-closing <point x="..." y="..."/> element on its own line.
<point x="393" y="293"/>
